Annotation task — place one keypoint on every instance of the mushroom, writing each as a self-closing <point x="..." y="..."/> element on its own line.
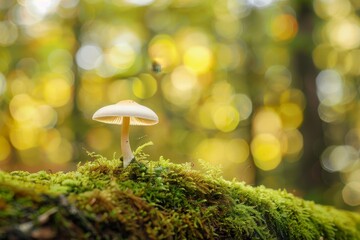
<point x="125" y="113"/>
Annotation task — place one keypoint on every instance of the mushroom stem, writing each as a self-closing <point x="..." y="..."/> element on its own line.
<point x="125" y="143"/>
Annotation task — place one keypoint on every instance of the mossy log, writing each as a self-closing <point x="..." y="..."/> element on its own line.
<point x="158" y="200"/>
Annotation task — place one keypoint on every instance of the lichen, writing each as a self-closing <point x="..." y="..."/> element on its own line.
<point x="158" y="200"/>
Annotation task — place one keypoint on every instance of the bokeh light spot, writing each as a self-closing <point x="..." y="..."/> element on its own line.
<point x="322" y="55"/>
<point x="23" y="16"/>
<point x="267" y="120"/>
<point x="237" y="150"/>
<point x="181" y="97"/>
<point x="344" y="33"/>
<point x="25" y="137"/>
<point x="226" y="118"/>
<point x="244" y="105"/>
<point x="211" y="150"/>
<point x="145" y="86"/>
<point x="291" y="115"/>
<point x="293" y="143"/>
<point x="354" y="176"/>
<point x="88" y="56"/>
<point x="9" y="33"/>
<point x="121" y="56"/>
<point x="330" y="114"/>
<point x="140" y="2"/>
<point x="260" y="3"/>
<point x="163" y="49"/>
<point x="332" y="9"/>
<point x="293" y="96"/>
<point x="266" y="150"/>
<point x="351" y="60"/>
<point x="5" y="149"/>
<point x="57" y="92"/>
<point x="329" y="87"/>
<point x="183" y="79"/>
<point x="47" y="116"/>
<point x="199" y="59"/>
<point x="222" y="151"/>
<point x="222" y="92"/>
<point x="23" y="110"/>
<point x="41" y="7"/>
<point x="339" y="158"/>
<point x="283" y="27"/>
<point x="351" y="193"/>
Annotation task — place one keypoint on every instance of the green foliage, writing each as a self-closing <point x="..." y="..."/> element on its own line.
<point x="158" y="200"/>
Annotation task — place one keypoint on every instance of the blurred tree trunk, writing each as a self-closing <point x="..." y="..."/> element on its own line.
<point x="312" y="126"/>
<point x="78" y="125"/>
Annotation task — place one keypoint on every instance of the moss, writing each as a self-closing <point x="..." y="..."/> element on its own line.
<point x="158" y="200"/>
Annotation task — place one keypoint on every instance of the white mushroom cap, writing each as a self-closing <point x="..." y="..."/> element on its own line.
<point x="138" y="114"/>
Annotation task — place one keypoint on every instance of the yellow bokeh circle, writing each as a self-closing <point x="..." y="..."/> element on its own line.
<point x="22" y="109"/>
<point x="199" y="59"/>
<point x="57" y="92"/>
<point x="163" y="49"/>
<point x="145" y="86"/>
<point x="226" y="118"/>
<point x="204" y="115"/>
<point x="267" y="120"/>
<point x="211" y="150"/>
<point x="237" y="150"/>
<point x="5" y="149"/>
<point x="266" y="150"/>
<point x="351" y="193"/>
<point x="292" y="141"/>
<point x="183" y="97"/>
<point x="24" y="137"/>
<point x="291" y="115"/>
<point x="222" y="151"/>
<point x="121" y="56"/>
<point x="284" y="27"/>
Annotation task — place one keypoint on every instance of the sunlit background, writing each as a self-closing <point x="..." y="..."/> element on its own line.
<point x="268" y="89"/>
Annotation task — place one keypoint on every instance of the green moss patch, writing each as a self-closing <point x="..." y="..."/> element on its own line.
<point x="158" y="200"/>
